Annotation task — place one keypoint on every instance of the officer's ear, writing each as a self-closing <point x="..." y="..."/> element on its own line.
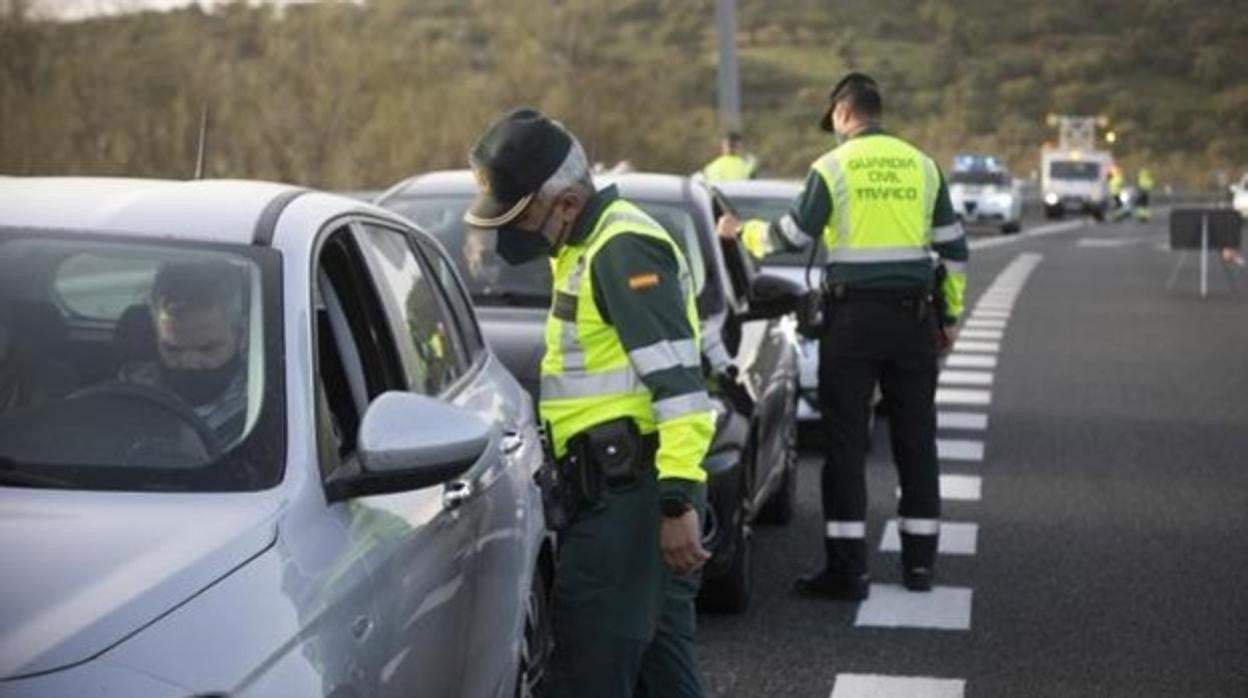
<point x="569" y="202"/>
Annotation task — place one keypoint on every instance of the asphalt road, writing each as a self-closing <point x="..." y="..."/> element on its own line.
<point x="1111" y="536"/>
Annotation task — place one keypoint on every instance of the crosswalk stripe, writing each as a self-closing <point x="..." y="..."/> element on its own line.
<point x="879" y="686"/>
<point x="960" y="449"/>
<point x="974" y="421"/>
<point x="991" y="313"/>
<point x="955" y="538"/>
<point x="962" y="396"/>
<point x="948" y="377"/>
<point x="971" y="361"/>
<point x="894" y="606"/>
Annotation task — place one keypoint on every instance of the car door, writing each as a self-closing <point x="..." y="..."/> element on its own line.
<point x="418" y="543"/>
<point x="507" y="499"/>
<point x="442" y="359"/>
<point x="766" y="358"/>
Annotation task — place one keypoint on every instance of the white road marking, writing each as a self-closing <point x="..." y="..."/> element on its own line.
<point x="948" y="377"/>
<point x="1039" y="232"/>
<point x="962" y="420"/>
<point x="961" y="488"/>
<point x="893" y="606"/>
<point x="972" y="345"/>
<point x="979" y="333"/>
<point x="990" y="304"/>
<point x="984" y="323"/>
<point x="877" y="686"/>
<point x="994" y="313"/>
<point x="971" y="361"/>
<point x="960" y="449"/>
<point x="1105" y="242"/>
<point x="962" y="396"/>
<point x="955" y="538"/>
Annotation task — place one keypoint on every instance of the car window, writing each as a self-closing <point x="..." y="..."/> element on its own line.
<point x="453" y="290"/>
<point x="100" y="286"/>
<point x="490" y="280"/>
<point x="429" y="342"/>
<point x="180" y="385"/>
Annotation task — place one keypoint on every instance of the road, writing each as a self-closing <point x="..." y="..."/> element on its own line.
<point x="1097" y="522"/>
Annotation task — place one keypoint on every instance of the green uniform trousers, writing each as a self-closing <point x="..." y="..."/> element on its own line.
<point x="624" y="622"/>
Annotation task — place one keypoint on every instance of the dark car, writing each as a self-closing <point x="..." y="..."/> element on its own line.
<point x="749" y="348"/>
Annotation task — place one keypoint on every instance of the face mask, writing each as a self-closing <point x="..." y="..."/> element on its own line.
<point x="518" y="245"/>
<point x="199" y="386"/>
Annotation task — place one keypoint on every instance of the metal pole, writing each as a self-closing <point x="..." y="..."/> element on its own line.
<point x="201" y="150"/>
<point x="1204" y="255"/>
<point x="729" y="79"/>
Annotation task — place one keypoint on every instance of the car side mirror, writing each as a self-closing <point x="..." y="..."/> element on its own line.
<point x="773" y="296"/>
<point x="408" y="442"/>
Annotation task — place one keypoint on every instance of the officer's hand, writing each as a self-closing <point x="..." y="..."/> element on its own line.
<point x="727" y="226"/>
<point x="946" y="337"/>
<point x="681" y="541"/>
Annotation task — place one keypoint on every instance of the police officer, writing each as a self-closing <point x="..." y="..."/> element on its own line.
<point x="733" y="163"/>
<point x="1144" y="182"/>
<point x="880" y="207"/>
<point x="624" y="398"/>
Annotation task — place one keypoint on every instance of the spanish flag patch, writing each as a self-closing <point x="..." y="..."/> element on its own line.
<point x="638" y="282"/>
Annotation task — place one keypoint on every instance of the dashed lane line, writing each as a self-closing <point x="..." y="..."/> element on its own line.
<point x="960" y="449"/>
<point x="963" y="396"/>
<point x="976" y="345"/>
<point x="948" y="377"/>
<point x="955" y="538"/>
<point x="971" y="361"/>
<point x="970" y="421"/>
<point x="877" y="686"/>
<point x="894" y="606"/>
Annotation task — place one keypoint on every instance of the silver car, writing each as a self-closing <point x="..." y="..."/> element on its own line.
<point x="769" y="199"/>
<point x="252" y="444"/>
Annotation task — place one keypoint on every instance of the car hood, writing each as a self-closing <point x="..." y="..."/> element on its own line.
<point x="85" y="570"/>
<point x="517" y="338"/>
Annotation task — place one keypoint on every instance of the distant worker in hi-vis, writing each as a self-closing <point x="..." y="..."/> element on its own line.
<point x="733" y="163"/>
<point x="881" y="208"/>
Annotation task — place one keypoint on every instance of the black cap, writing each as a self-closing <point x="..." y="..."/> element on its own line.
<point x="511" y="161"/>
<point x="852" y="81"/>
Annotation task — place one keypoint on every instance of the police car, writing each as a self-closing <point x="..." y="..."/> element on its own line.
<point x="983" y="193"/>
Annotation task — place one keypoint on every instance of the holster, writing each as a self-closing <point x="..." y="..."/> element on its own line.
<point x="811" y="315"/>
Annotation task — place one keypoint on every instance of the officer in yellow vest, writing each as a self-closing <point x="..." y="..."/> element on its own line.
<point x="1144" y="182"/>
<point x="733" y="162"/>
<point x="624" y="398"/>
<point x="881" y="208"/>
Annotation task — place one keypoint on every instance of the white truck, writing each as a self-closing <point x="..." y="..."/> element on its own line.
<point x="1075" y="181"/>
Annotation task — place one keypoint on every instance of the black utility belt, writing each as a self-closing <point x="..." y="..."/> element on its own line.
<point x="610" y="456"/>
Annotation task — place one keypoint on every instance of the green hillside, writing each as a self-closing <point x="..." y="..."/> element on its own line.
<point x="344" y="96"/>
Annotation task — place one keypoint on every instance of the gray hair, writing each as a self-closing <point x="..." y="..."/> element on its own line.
<point x="573" y="173"/>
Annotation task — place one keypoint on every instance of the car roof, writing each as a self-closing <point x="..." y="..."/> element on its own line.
<point x="766" y="188"/>
<point x="201" y="210"/>
<point x="647" y="185"/>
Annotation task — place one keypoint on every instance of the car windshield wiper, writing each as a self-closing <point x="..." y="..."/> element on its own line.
<point x="10" y="475"/>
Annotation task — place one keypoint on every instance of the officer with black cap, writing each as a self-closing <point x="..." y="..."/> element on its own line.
<point x="881" y="208"/>
<point x="624" y="401"/>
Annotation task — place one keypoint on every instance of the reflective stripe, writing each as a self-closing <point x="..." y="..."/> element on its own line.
<point x="681" y="405"/>
<point x="876" y="254"/>
<point x="568" y="387"/>
<point x="920" y="527"/>
<point x="948" y="233"/>
<point x="847" y="529"/>
<point x="569" y="343"/>
<point x="713" y="347"/>
<point x="790" y="232"/>
<point x="665" y="354"/>
<point x="955" y="267"/>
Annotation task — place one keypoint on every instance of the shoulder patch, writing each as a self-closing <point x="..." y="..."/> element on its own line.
<point x="638" y="282"/>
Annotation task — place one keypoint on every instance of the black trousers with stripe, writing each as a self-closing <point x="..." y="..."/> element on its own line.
<point x="889" y="341"/>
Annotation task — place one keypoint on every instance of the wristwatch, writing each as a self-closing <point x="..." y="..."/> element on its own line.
<point x="674" y="507"/>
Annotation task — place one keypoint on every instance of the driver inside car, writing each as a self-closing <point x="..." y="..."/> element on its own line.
<point x="197" y="313"/>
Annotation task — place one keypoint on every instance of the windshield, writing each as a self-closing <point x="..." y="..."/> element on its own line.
<point x="770" y="209"/>
<point x="131" y="365"/>
<point x="980" y="178"/>
<point x="494" y="282"/>
<point x="1073" y="169"/>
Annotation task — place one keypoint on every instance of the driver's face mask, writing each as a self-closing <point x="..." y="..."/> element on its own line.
<point x="518" y="245"/>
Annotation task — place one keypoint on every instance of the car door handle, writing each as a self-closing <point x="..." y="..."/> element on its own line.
<point x="512" y="441"/>
<point x="456" y="494"/>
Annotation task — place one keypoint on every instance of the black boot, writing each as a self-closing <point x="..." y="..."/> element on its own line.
<point x="834" y="586"/>
<point x="917" y="578"/>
